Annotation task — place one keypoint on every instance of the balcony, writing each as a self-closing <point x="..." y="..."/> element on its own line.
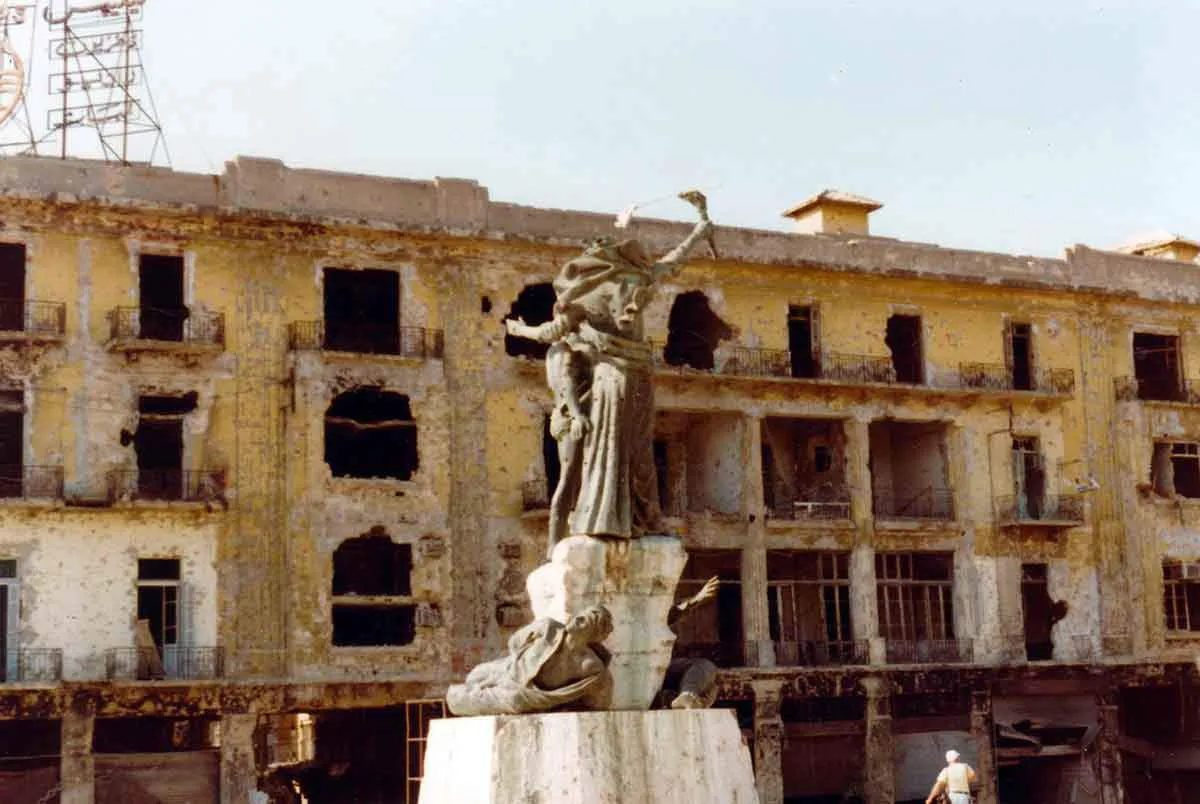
<point x="32" y="320"/>
<point x="32" y="665"/>
<point x="172" y="485"/>
<point x="998" y="377"/>
<point x="830" y="506"/>
<point x="365" y="338"/>
<point x="1133" y="389"/>
<point x="133" y="329"/>
<point x="1052" y="510"/>
<point x="176" y="662"/>
<point x="930" y="651"/>
<point x="822" y="654"/>
<point x="31" y="482"/>
<point x="930" y="503"/>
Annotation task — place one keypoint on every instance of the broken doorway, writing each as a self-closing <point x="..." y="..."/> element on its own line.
<point x="1029" y="478"/>
<point x="802" y="341"/>
<point x="12" y="287"/>
<point x="1019" y="351"/>
<point x="12" y="439"/>
<point x="161" y="311"/>
<point x="1038" y="610"/>
<point x="362" y="311"/>
<point x="910" y="470"/>
<point x="1156" y="366"/>
<point x="158" y="443"/>
<point x="804" y="474"/>
<point x="904" y="341"/>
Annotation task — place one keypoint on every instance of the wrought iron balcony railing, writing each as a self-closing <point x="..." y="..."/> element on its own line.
<point x="191" y="485"/>
<point x="179" y="325"/>
<point x="31" y="482"/>
<point x="32" y="664"/>
<point x="535" y="495"/>
<point x="825" y="506"/>
<point x="1131" y="389"/>
<point x="998" y="377"/>
<point x="857" y="369"/>
<point x="927" y="503"/>
<point x="35" y="319"/>
<point x="366" y="338"/>
<point x="174" y="662"/>
<point x="1014" y="509"/>
<point x="930" y="651"/>
<point x="820" y="653"/>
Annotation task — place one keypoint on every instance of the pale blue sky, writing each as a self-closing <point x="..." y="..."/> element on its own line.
<point x="1015" y="126"/>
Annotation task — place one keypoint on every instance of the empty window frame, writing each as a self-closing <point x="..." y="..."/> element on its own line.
<point x="803" y="340"/>
<point x="362" y="310"/>
<point x="161" y="311"/>
<point x="372" y="592"/>
<point x="903" y="339"/>
<point x="158" y="444"/>
<point x="10" y="605"/>
<point x="1156" y="366"/>
<point x="158" y="599"/>
<point x="12" y="440"/>
<point x="808" y="598"/>
<point x="915" y="594"/>
<point x="1181" y="595"/>
<point x="1185" y="468"/>
<point x="1018" y="351"/>
<point x="714" y="630"/>
<point x="1029" y="477"/>
<point x="370" y="432"/>
<point x="12" y="287"/>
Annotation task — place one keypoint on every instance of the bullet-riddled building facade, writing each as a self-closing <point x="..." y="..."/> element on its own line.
<point x="272" y="475"/>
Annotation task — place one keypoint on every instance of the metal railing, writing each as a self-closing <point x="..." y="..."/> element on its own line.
<point x="535" y="496"/>
<point x="174" y="662"/>
<point x="183" y="485"/>
<point x="179" y="325"/>
<point x="31" y="482"/>
<point x="33" y="318"/>
<point x="823" y="506"/>
<point x="32" y="664"/>
<point x="1131" y="389"/>
<point x="999" y="377"/>
<point x="722" y="654"/>
<point x="929" y="651"/>
<point x="820" y="653"/>
<point x="366" y="338"/>
<point x="927" y="503"/>
<point x="1014" y="508"/>
<point x="857" y="368"/>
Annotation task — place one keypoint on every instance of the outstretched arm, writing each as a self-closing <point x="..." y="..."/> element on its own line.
<point x="706" y="593"/>
<point x="671" y="262"/>
<point x="549" y="332"/>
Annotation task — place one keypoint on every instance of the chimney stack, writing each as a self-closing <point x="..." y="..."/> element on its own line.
<point x="833" y="212"/>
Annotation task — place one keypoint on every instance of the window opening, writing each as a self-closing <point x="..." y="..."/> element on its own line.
<point x="910" y="470"/>
<point x="915" y="596"/>
<point x="372" y="592"/>
<point x="158" y="599"/>
<point x="808" y="601"/>
<point x="1029" y="478"/>
<point x="1020" y="356"/>
<point x="158" y="444"/>
<point x="694" y="332"/>
<point x="160" y="297"/>
<point x="12" y="287"/>
<point x="802" y="340"/>
<point x="1181" y="595"/>
<point x="12" y="440"/>
<point x="1185" y="469"/>
<point x="712" y="631"/>
<point x="904" y="341"/>
<point x="1038" y="611"/>
<point x="534" y="305"/>
<point x="1156" y="366"/>
<point x="370" y="432"/>
<point x="803" y="468"/>
<point x="362" y="311"/>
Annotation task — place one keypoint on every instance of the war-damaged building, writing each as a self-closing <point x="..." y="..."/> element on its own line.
<point x="272" y="475"/>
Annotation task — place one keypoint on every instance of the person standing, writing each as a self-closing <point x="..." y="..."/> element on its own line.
<point x="955" y="780"/>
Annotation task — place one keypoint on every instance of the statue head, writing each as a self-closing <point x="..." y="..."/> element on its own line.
<point x="591" y="625"/>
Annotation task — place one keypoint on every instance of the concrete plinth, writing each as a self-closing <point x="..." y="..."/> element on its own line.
<point x="667" y="757"/>
<point x="635" y="580"/>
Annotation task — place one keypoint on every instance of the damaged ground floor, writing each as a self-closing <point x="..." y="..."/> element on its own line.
<point x="1036" y="733"/>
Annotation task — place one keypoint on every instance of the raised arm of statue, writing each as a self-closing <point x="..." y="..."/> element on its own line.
<point x="670" y="263"/>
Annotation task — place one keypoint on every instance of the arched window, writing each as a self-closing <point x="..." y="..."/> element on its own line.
<point x="370" y="432"/>
<point x="372" y="591"/>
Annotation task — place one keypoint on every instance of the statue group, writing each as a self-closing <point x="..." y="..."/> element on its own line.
<point x="600" y="370"/>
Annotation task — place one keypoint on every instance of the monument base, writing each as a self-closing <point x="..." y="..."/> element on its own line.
<point x="685" y="756"/>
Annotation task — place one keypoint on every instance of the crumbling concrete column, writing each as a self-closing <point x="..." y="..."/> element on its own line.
<point x="239" y="771"/>
<point x="864" y="608"/>
<point x="983" y="735"/>
<point x="1112" y="791"/>
<point x="768" y="741"/>
<point x="879" y="766"/>
<point x="77" y="768"/>
<point x="755" y="617"/>
<point x="858" y="472"/>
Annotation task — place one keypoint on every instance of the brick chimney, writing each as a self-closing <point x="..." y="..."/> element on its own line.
<point x="833" y="212"/>
<point x="1164" y="246"/>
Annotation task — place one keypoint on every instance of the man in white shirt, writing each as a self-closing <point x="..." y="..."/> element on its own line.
<point x="955" y="779"/>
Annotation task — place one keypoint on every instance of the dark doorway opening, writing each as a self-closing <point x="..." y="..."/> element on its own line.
<point x="160" y="297"/>
<point x="904" y="341"/>
<point x="158" y="599"/>
<point x="12" y="287"/>
<point x="158" y="443"/>
<point x="1029" y="479"/>
<point x="695" y="331"/>
<point x="534" y="305"/>
<point x="1038" y="612"/>
<point x="1020" y="353"/>
<point x="802" y="340"/>
<point x="362" y="311"/>
<point x="1156" y="366"/>
<point x="12" y="439"/>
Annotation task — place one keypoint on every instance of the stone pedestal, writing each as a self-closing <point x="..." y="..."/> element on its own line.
<point x="667" y="757"/>
<point x="635" y="579"/>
